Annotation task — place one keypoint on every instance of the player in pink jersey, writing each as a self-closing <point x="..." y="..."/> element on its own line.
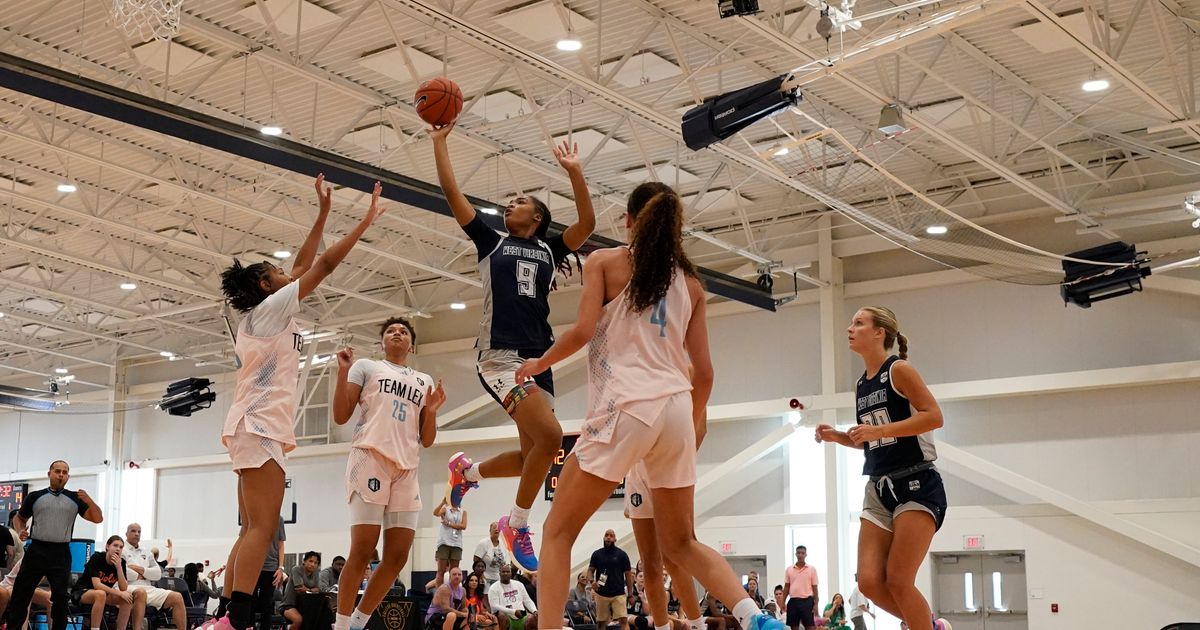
<point x="642" y="311"/>
<point x="258" y="429"/>
<point x="398" y="416"/>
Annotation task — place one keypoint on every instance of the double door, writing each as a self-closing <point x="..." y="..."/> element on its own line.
<point x="981" y="590"/>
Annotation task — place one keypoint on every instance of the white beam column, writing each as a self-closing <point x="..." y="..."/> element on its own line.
<point x="831" y="295"/>
<point x="109" y="482"/>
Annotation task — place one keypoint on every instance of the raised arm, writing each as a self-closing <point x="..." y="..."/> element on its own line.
<point x="463" y="211"/>
<point x="308" y="251"/>
<point x="345" y="393"/>
<point x="591" y="306"/>
<point x="435" y="397"/>
<point x="333" y="256"/>
<point x="578" y="232"/>
<point x="93" y="513"/>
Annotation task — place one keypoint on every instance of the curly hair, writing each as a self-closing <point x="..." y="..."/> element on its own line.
<point x="412" y="333"/>
<point x="656" y="244"/>
<point x="241" y="284"/>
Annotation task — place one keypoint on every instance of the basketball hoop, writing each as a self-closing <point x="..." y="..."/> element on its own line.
<point x="147" y="19"/>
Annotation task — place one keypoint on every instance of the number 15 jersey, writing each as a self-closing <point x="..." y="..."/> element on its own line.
<point x="391" y="402"/>
<point x="516" y="275"/>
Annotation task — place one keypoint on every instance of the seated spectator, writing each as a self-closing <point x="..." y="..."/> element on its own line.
<point x="304" y="579"/>
<point x="479" y="610"/>
<point x="580" y="605"/>
<point x="448" y="610"/>
<point x="141" y="572"/>
<point x="714" y="609"/>
<point x="511" y="603"/>
<point x="636" y="605"/>
<point x="780" y="602"/>
<point x="103" y="584"/>
<point x="752" y="591"/>
<point x="200" y="590"/>
<point x="835" y="613"/>
<point x="331" y="574"/>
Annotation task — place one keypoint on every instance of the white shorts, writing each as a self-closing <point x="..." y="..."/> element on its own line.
<point x="498" y="372"/>
<point x="379" y="481"/>
<point x="363" y="513"/>
<point x="638" y="502"/>
<point x="609" y="450"/>
<point x="155" y="597"/>
<point x="251" y="450"/>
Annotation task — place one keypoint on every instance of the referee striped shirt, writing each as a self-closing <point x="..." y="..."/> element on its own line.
<point x="53" y="514"/>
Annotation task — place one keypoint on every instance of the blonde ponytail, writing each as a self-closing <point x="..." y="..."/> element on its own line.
<point x="884" y="318"/>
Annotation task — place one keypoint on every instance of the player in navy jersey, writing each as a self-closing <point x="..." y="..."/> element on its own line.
<point x="517" y="270"/>
<point x="905" y="501"/>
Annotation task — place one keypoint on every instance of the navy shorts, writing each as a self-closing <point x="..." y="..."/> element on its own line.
<point x="922" y="491"/>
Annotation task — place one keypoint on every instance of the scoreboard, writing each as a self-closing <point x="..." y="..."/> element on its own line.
<point x="568" y="443"/>
<point x="12" y="495"/>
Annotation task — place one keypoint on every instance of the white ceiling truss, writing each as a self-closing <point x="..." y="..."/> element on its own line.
<point x="1000" y="134"/>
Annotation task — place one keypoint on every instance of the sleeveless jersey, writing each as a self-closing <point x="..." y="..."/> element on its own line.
<point x="879" y="403"/>
<point x="265" y="394"/>
<point x="391" y="402"/>
<point x="637" y="361"/>
<point x="516" y="274"/>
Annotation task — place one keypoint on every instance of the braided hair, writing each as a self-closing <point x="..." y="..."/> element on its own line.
<point x="564" y="266"/>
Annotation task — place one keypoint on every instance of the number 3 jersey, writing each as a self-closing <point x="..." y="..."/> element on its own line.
<point x="879" y="403"/>
<point x="390" y="404"/>
<point x="516" y="275"/>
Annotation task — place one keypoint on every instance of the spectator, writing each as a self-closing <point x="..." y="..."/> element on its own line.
<point x="8" y="547"/>
<point x="479" y="609"/>
<point x="41" y="596"/>
<point x="835" y="613"/>
<point x="528" y="580"/>
<point x="331" y="574"/>
<point x="753" y="575"/>
<point x="493" y="554"/>
<point x="448" y="611"/>
<point x="780" y="599"/>
<point x="715" y="610"/>
<point x="305" y="579"/>
<point x="580" y="604"/>
<point x="479" y="568"/>
<point x="857" y="607"/>
<point x="613" y="575"/>
<point x="200" y="590"/>
<point x="511" y="603"/>
<point x="450" y="538"/>
<point x="103" y="584"/>
<point x="637" y="605"/>
<point x="53" y="511"/>
<point x="752" y="591"/>
<point x="800" y="582"/>
<point x="141" y="572"/>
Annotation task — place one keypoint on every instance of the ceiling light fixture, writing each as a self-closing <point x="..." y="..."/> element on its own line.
<point x="458" y="306"/>
<point x="281" y="254"/>
<point x="780" y="151"/>
<point x="570" y="43"/>
<point x="271" y="130"/>
<point x="66" y="187"/>
<point x="936" y="229"/>
<point x="61" y="370"/>
<point x="166" y="353"/>
<point x="1095" y="85"/>
<point x="128" y="286"/>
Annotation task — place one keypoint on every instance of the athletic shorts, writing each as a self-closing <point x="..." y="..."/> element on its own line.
<point x="638" y="502"/>
<point x="922" y="491"/>
<point x="437" y="620"/>
<point x="379" y="481"/>
<point x="448" y="553"/>
<point x="497" y="371"/>
<point x="155" y="597"/>
<point x="800" y="612"/>
<point x="609" y="608"/>
<point x="251" y="450"/>
<point x="610" y="448"/>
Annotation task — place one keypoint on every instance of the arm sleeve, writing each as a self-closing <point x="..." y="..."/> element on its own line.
<point x="558" y="247"/>
<point x="485" y="238"/>
<point x="80" y="504"/>
<point x="153" y="571"/>
<point x="625" y="565"/>
<point x="359" y="372"/>
<point x="481" y="549"/>
<point x="529" y="605"/>
<point x="496" y="597"/>
<point x="26" y="510"/>
<point x="281" y="535"/>
<point x="297" y="575"/>
<point x="271" y="316"/>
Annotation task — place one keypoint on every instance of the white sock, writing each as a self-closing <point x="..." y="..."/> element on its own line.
<point x="358" y="620"/>
<point x="697" y="624"/>
<point x="518" y="517"/>
<point x="745" y="611"/>
<point x="472" y="474"/>
<point x="341" y="622"/>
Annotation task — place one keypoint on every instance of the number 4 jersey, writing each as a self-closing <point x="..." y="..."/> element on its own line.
<point x="390" y="403"/>
<point x="516" y="275"/>
<point x="879" y="403"/>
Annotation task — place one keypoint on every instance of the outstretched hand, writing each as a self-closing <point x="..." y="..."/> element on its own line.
<point x="345" y="358"/>
<point x="324" y="193"/>
<point x="441" y="132"/>
<point x="435" y="397"/>
<point x="374" y="212"/>
<point x="567" y="155"/>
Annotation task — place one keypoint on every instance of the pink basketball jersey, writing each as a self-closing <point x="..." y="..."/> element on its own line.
<point x="265" y="394"/>
<point x="637" y="360"/>
<point x="390" y="422"/>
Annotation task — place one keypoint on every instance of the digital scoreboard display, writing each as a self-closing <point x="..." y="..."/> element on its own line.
<point x="12" y="495"/>
<point x="568" y="443"/>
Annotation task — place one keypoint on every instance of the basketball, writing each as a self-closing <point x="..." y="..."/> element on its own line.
<point x="438" y="101"/>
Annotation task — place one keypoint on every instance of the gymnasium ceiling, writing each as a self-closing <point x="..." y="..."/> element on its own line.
<point x="1000" y="133"/>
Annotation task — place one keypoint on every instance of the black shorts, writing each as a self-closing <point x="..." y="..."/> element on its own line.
<point x="437" y="620"/>
<point x="800" y="612"/>
<point x="922" y="491"/>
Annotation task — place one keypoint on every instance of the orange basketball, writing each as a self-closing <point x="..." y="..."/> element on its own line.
<point x="438" y="101"/>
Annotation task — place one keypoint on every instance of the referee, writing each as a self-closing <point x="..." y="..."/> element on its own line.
<point x="53" y="511"/>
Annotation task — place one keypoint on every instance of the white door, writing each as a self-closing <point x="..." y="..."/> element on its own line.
<point x="981" y="590"/>
<point x="1006" y="606"/>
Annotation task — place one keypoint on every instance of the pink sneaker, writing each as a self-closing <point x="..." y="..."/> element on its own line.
<point x="457" y="486"/>
<point x="217" y="624"/>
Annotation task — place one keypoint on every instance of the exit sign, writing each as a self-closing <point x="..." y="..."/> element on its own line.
<point x="728" y="547"/>
<point x="973" y="541"/>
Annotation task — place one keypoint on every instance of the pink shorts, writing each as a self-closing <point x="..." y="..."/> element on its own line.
<point x="667" y="448"/>
<point x="251" y="450"/>
<point x="638" y="502"/>
<point x="379" y="481"/>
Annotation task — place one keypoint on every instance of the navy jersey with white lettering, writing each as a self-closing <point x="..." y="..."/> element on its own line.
<point x="516" y="274"/>
<point x="879" y="403"/>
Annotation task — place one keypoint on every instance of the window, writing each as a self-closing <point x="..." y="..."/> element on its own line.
<point x="806" y="474"/>
<point x="139" y="499"/>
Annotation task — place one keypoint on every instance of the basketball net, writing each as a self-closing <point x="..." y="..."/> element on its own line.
<point x="147" y="19"/>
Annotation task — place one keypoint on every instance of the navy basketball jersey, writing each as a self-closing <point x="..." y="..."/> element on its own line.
<point x="516" y="275"/>
<point x="879" y="403"/>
